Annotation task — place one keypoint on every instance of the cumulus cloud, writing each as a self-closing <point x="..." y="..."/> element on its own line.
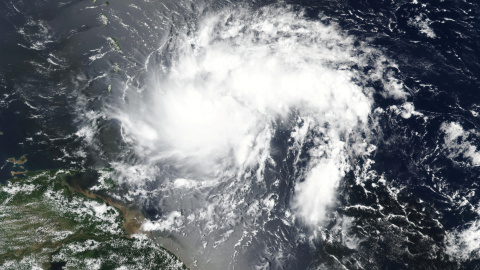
<point x="239" y="74"/>
<point x="318" y="190"/>
<point x="464" y="244"/>
<point x="422" y="23"/>
<point x="457" y="144"/>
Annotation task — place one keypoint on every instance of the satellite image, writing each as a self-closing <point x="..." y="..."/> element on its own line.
<point x="230" y="134"/>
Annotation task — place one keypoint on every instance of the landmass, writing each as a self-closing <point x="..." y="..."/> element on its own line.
<point x="20" y="161"/>
<point x="49" y="220"/>
<point x="14" y="173"/>
<point x="114" y="43"/>
<point x="104" y="19"/>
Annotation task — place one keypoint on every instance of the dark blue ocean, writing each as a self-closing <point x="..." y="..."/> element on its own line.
<point x="62" y="66"/>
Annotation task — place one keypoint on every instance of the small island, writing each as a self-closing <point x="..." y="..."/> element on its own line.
<point x="20" y="161"/>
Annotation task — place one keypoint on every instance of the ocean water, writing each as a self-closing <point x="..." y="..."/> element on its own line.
<point x="262" y="134"/>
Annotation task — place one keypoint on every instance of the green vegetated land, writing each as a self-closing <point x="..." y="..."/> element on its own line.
<point x="48" y="221"/>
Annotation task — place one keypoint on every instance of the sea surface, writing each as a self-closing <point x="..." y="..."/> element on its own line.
<point x="260" y="134"/>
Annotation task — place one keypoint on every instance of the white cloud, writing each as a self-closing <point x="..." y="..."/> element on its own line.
<point x="229" y="84"/>
<point x="318" y="191"/>
<point x="464" y="244"/>
<point x="457" y="144"/>
<point x="422" y="23"/>
<point x="170" y="223"/>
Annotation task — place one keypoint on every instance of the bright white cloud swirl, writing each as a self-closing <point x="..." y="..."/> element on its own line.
<point x="214" y="110"/>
